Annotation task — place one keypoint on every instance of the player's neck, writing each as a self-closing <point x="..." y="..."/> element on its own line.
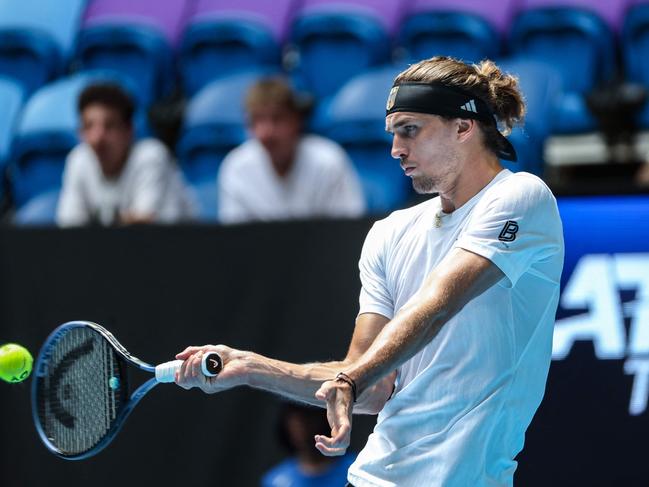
<point x="470" y="182"/>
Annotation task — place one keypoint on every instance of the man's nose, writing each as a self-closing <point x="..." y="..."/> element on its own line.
<point x="265" y="130"/>
<point x="398" y="151"/>
<point x="95" y="135"/>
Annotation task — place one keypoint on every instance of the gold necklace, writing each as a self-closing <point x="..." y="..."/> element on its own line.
<point x="439" y="217"/>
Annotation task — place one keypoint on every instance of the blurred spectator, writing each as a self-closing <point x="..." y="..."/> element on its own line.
<point x="112" y="179"/>
<point x="280" y="173"/>
<point x="307" y="467"/>
<point x="642" y="176"/>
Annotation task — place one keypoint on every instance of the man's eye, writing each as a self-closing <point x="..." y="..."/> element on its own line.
<point x="409" y="130"/>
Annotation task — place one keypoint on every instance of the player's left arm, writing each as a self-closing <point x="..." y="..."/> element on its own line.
<point x="460" y="277"/>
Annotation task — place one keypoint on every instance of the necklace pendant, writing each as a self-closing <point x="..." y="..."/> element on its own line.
<point x="438" y="220"/>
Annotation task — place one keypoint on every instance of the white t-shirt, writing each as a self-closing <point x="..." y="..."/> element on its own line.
<point x="149" y="184"/>
<point x="321" y="183"/>
<point x="462" y="404"/>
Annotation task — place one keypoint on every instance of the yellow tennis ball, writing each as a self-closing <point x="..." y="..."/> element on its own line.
<point x="15" y="363"/>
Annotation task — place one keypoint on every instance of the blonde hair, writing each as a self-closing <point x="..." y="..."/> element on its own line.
<point x="500" y="91"/>
<point x="272" y="91"/>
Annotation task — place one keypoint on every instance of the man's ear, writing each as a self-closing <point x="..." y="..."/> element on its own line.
<point x="465" y="128"/>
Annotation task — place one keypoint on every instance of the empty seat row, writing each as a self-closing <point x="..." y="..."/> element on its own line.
<point x="327" y="41"/>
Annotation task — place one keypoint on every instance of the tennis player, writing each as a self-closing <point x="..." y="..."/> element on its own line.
<point x="453" y="338"/>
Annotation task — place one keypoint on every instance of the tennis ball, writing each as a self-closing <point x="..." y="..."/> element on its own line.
<point x="15" y="363"/>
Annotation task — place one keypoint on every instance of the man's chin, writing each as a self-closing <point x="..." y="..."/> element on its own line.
<point x="423" y="185"/>
<point x="111" y="168"/>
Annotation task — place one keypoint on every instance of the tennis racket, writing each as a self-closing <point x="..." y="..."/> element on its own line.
<point x="80" y="389"/>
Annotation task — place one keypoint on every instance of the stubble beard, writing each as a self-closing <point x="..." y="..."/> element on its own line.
<point x="424" y="185"/>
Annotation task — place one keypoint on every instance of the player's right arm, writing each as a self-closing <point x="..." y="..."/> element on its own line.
<point x="294" y="381"/>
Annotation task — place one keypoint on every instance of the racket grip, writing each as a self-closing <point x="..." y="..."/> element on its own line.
<point x="211" y="365"/>
<point x="167" y="372"/>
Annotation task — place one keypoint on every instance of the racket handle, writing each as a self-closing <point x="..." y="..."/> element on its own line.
<point x="167" y="372"/>
<point x="211" y="365"/>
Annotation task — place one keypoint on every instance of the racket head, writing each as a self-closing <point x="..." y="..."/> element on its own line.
<point x="79" y="389"/>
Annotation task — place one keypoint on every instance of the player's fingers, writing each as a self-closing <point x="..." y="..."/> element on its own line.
<point x="340" y="437"/>
<point x="325" y="391"/>
<point x="194" y="365"/>
<point x="181" y="377"/>
<point x="188" y="352"/>
<point x="328" y="447"/>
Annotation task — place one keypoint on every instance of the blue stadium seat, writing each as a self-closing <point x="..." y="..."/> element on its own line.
<point x="214" y="124"/>
<point x="458" y="34"/>
<point x="541" y="87"/>
<point x="577" y="43"/>
<point x="337" y="41"/>
<point x="138" y="52"/>
<point x="40" y="210"/>
<point x="36" y="39"/>
<point x="11" y="101"/>
<point x="355" y="118"/>
<point x="470" y="30"/>
<point x="223" y="37"/>
<point x="136" y="38"/>
<point x="635" y="50"/>
<point x="204" y="195"/>
<point x="47" y="131"/>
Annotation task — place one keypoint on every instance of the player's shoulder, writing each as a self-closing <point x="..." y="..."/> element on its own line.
<point x="521" y="183"/>
<point x="521" y="190"/>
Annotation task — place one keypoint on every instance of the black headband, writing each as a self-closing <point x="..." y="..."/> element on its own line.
<point x="438" y="99"/>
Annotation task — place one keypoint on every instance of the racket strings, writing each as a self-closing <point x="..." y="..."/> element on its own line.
<point x="80" y="391"/>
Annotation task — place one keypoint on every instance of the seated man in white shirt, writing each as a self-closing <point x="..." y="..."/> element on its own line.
<point x="281" y="174"/>
<point x="110" y="179"/>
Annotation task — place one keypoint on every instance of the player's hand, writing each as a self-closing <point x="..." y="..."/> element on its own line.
<point x="190" y="374"/>
<point x="338" y="396"/>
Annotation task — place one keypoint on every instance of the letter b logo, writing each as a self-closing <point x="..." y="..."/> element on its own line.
<point x="508" y="233"/>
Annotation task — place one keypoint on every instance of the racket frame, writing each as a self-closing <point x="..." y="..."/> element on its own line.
<point x="133" y="399"/>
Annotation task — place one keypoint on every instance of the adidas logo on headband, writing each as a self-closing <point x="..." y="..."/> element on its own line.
<point x="469" y="106"/>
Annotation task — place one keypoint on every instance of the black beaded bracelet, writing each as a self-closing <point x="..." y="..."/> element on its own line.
<point x="347" y="380"/>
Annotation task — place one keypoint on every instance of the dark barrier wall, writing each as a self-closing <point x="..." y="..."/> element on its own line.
<point x="289" y="291"/>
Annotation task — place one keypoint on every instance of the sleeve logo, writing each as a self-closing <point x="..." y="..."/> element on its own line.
<point x="508" y="233"/>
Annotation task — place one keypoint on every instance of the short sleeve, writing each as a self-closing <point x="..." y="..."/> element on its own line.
<point x="375" y="296"/>
<point x="515" y="225"/>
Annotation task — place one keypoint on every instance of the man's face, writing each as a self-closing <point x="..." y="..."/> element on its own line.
<point x="278" y="129"/>
<point x="427" y="148"/>
<point x="110" y="137"/>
